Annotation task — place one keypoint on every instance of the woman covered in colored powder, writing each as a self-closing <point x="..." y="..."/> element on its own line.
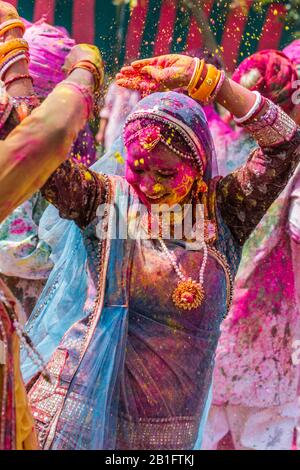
<point x="129" y="322"/>
<point x="29" y="154"/>
<point x="255" y="379"/>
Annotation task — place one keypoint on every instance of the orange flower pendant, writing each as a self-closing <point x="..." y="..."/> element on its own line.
<point x="188" y="295"/>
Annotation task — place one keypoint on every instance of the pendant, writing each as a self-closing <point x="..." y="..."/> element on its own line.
<point x="188" y="294"/>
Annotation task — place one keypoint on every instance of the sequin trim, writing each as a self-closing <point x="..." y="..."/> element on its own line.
<point x="179" y="432"/>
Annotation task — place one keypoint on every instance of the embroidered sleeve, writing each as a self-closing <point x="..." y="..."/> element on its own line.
<point x="76" y="192"/>
<point x="245" y="195"/>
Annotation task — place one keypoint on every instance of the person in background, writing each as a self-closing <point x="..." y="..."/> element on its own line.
<point x="118" y="104"/>
<point x="255" y="380"/>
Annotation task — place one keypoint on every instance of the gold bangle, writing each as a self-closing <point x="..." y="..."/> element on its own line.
<point x="12" y="45"/>
<point x="208" y="85"/>
<point x="196" y="76"/>
<point x="12" y="54"/>
<point x="192" y="81"/>
<point x="216" y="84"/>
<point x="11" y="25"/>
<point x="93" y="69"/>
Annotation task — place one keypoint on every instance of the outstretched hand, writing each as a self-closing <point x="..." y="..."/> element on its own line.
<point x="166" y="72"/>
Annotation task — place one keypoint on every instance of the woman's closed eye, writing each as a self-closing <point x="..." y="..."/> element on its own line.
<point x="136" y="170"/>
<point x="166" y="174"/>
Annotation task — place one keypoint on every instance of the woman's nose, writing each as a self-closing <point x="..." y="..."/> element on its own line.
<point x="147" y="184"/>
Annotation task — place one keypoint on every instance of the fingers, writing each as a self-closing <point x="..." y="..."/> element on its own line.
<point x="138" y="64"/>
<point x="156" y="74"/>
<point x="128" y="70"/>
<point x="144" y="86"/>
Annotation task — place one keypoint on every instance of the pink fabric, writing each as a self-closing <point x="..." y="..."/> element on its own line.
<point x="254" y="356"/>
<point x="277" y="74"/>
<point x="223" y="137"/>
<point x="48" y="48"/>
<point x="292" y="51"/>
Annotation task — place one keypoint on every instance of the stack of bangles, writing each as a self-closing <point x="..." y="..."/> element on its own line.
<point x="12" y="51"/>
<point x="205" y="88"/>
<point x="91" y="67"/>
<point x="270" y="127"/>
<point x="98" y="79"/>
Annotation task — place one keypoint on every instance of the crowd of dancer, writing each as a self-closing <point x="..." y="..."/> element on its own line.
<point x="147" y="341"/>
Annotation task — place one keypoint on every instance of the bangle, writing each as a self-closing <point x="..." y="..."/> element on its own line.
<point x="30" y="100"/>
<point x="90" y="67"/>
<point x="84" y="91"/>
<point x="18" y="77"/>
<point x="14" y="53"/>
<point x="192" y="81"/>
<point x="196" y="76"/>
<point x="11" y="24"/>
<point x="12" y="45"/>
<point x="267" y="119"/>
<point x="208" y="85"/>
<point x="16" y="58"/>
<point x="278" y="127"/>
<point x="218" y="88"/>
<point x="252" y="110"/>
<point x="210" y="97"/>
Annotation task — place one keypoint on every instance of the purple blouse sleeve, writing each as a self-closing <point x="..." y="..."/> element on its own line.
<point x="76" y="192"/>
<point x="245" y="195"/>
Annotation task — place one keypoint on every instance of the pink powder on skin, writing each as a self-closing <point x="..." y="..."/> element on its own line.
<point x="159" y="166"/>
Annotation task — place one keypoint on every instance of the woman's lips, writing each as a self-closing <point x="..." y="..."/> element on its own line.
<point x="155" y="198"/>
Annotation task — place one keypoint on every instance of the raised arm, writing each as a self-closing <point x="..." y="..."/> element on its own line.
<point x="246" y="194"/>
<point x="76" y="191"/>
<point x="42" y="141"/>
<point x="36" y="147"/>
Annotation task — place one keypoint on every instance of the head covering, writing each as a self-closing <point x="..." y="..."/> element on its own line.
<point x="180" y="120"/>
<point x="292" y="51"/>
<point x="271" y="73"/>
<point x="48" y="48"/>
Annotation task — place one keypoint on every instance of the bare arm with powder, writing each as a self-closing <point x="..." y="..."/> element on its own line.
<point x="245" y="195"/>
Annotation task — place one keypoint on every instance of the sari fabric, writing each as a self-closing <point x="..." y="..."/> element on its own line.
<point x="17" y="430"/>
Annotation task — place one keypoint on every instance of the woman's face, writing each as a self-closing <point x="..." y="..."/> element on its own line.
<point x="159" y="176"/>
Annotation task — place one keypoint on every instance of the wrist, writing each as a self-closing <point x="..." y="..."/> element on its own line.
<point x="82" y="77"/>
<point x="13" y="34"/>
<point x="22" y="87"/>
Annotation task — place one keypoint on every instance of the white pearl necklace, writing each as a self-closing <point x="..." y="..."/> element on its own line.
<point x="176" y="267"/>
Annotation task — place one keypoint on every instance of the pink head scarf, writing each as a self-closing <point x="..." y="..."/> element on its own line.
<point x="271" y="73"/>
<point x="48" y="47"/>
<point x="292" y="51"/>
